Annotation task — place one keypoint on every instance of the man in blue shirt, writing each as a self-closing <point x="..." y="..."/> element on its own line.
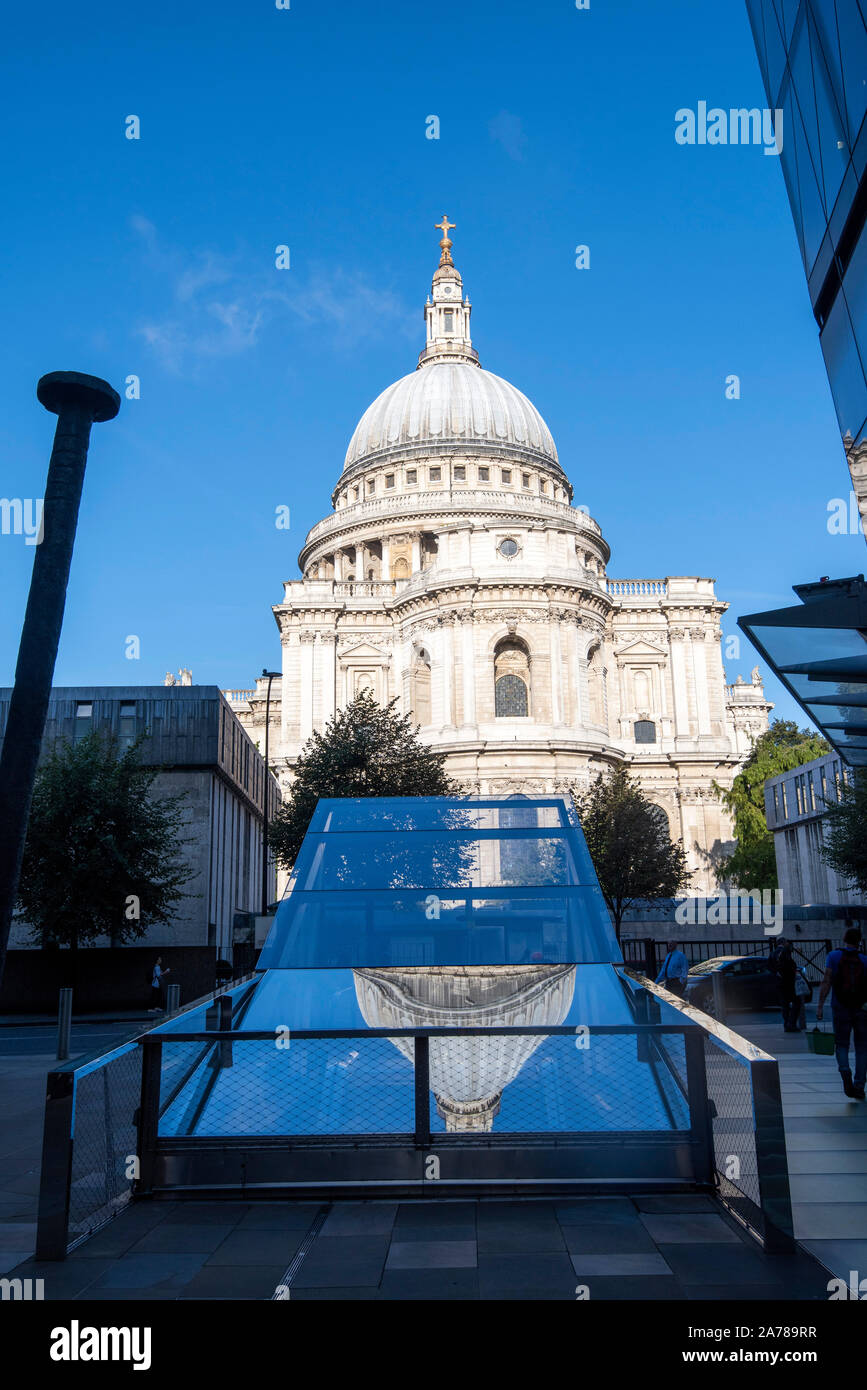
<point x="846" y="976"/>
<point x="675" y="969"/>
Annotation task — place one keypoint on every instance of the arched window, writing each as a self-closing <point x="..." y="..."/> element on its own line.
<point x="401" y="568"/>
<point x="645" y="731"/>
<point x="511" y="679"/>
<point x="420" y="676"/>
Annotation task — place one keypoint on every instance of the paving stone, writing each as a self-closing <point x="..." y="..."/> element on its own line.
<point x="676" y="1204"/>
<point x="575" y="1213"/>
<point x="235" y="1282"/>
<point x="200" y="1239"/>
<point x="280" y="1216"/>
<point x="360" y="1218"/>
<point x="526" y="1276"/>
<point x="429" y="1285"/>
<point x="431" y="1254"/>
<point x="720" y="1264"/>
<point x="696" y="1228"/>
<point x="343" y="1261"/>
<point x="514" y="1239"/>
<point x="654" y="1288"/>
<point x="608" y="1237"/>
<point x="256" y="1248"/>
<point x="149" y="1272"/>
<point x="588" y="1266"/>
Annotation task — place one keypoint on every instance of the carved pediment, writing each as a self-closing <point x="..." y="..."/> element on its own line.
<point x="363" y="651"/>
<point x="641" y="650"/>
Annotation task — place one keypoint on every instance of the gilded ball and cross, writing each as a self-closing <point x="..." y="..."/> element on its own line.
<point x="445" y="244"/>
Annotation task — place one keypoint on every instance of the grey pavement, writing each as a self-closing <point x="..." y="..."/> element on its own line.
<point x="826" y="1142"/>
<point x="662" y="1247"/>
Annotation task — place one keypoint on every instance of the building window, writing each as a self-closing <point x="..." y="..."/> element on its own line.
<point x="508" y="547"/>
<point x="506" y="475"/>
<point x="511" y="680"/>
<point x="411" y="477"/>
<point x="543" y="486"/>
<point x="356" y="492"/>
<point x="448" y="320"/>
<point x="371" y="485"/>
<point x="460" y="473"/>
<point x="785" y="801"/>
<point x="83" y="718"/>
<point x="484" y="475"/>
<point x="436" y="474"/>
<point x="525" y="480"/>
<point x="127" y="724"/>
<point x="645" y="731"/>
<point x="389" y="480"/>
<point x="776" y="804"/>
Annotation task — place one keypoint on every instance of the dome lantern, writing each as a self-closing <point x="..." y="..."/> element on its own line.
<point x="447" y="311"/>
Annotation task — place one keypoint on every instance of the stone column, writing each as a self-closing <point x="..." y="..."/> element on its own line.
<point x="468" y="663"/>
<point x="448" y="664"/>
<point x="307" y="640"/>
<point x="678" y="682"/>
<point x="327" y="676"/>
<point x="699" y="672"/>
<point x="386" y="557"/>
<point x="416" y="552"/>
<point x="556" y="671"/>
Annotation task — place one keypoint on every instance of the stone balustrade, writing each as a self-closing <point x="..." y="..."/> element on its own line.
<point x="637" y="588"/>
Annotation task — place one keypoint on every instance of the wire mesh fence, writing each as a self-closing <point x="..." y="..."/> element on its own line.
<point x="105" y="1149"/>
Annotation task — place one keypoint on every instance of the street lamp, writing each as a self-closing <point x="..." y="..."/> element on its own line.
<point x="271" y="675"/>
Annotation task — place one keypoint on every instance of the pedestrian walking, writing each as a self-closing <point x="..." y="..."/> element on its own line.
<point x="785" y="966"/>
<point x="846" y="981"/>
<point x="156" y="989"/>
<point x="675" y="969"/>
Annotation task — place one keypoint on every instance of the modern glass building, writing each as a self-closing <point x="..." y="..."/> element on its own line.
<point x="813" y="57"/>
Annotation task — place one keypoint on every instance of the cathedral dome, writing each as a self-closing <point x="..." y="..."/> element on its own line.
<point x="454" y="404"/>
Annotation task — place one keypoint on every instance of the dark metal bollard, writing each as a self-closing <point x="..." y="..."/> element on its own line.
<point x="173" y="998"/>
<point x="78" y="401"/>
<point x="719" y="996"/>
<point x="64" y="1024"/>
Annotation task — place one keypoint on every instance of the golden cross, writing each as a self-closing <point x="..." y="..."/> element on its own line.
<point x="445" y="227"/>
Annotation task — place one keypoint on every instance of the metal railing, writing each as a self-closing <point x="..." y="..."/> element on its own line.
<point x="91" y="1142"/>
<point x="746" y="1132"/>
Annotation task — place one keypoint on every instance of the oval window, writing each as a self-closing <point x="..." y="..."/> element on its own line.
<point x="508" y="547"/>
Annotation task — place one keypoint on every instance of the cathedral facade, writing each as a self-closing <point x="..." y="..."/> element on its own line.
<point x="454" y="573"/>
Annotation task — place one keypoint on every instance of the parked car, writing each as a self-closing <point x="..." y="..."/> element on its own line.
<point x="750" y="983"/>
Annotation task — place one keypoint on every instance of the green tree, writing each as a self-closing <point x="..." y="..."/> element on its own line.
<point x="782" y="747"/>
<point x="844" y="830"/>
<point x="101" y="856"/>
<point x="365" y="750"/>
<point x="630" y="844"/>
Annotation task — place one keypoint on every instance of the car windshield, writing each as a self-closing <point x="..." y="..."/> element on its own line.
<point x="705" y="967"/>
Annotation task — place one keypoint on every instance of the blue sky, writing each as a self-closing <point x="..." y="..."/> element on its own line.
<point x="307" y="127"/>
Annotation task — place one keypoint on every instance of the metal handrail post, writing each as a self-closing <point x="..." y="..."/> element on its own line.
<point x="771" y="1158"/>
<point x="149" y="1110"/>
<point x="701" y="1130"/>
<point x="52" y="1224"/>
<point x="421" y="1059"/>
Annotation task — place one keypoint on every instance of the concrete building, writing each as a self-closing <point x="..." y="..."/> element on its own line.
<point x="455" y="574"/>
<point x="794" y="806"/>
<point x="198" y="744"/>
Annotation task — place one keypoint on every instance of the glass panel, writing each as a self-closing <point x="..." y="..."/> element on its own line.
<point x="833" y="135"/>
<point x="789" y="646"/>
<point x="853" y="49"/>
<point x="510" y="696"/>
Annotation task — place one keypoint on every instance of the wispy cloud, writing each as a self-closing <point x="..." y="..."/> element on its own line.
<point x="507" y="130"/>
<point x="219" y="306"/>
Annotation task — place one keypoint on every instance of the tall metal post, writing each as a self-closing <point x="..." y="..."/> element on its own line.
<point x="64" y="1024"/>
<point x="271" y="676"/>
<point x="77" y="401"/>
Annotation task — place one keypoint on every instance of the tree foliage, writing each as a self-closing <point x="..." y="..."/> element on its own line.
<point x="844" y="830"/>
<point x="782" y="747"/>
<point x="101" y="856"/>
<point x="630" y="844"/>
<point x="366" y="749"/>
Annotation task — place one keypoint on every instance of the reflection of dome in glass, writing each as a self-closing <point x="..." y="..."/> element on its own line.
<point x="468" y="1074"/>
